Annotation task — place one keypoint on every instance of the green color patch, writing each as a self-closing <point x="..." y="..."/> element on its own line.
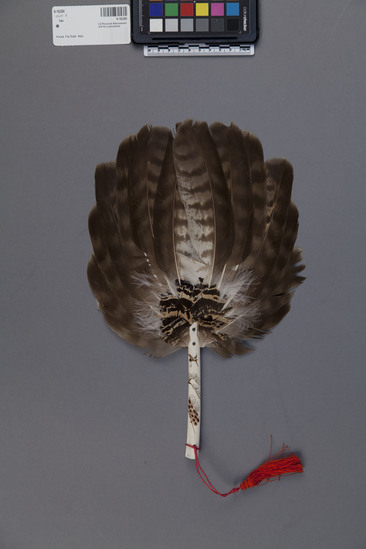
<point x="171" y="9"/>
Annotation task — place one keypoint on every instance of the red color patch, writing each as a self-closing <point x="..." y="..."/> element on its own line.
<point x="186" y="9"/>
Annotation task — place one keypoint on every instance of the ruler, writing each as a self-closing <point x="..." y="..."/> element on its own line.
<point x="198" y="50"/>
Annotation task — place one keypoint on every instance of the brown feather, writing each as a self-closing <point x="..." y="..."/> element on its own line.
<point x="241" y="157"/>
<point x="205" y="195"/>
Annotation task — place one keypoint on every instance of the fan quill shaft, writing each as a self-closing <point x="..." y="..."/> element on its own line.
<point x="194" y="392"/>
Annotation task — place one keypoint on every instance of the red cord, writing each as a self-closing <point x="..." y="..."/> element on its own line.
<point x="206" y="481"/>
<point x="274" y="467"/>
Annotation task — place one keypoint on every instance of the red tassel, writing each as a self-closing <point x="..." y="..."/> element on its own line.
<point x="274" y="467"/>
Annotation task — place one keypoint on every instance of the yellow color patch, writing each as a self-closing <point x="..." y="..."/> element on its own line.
<point x="201" y="9"/>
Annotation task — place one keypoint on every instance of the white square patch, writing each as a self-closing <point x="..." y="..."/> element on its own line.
<point x="171" y="25"/>
<point x="156" y="25"/>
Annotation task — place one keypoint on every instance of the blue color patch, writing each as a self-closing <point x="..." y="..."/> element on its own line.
<point x="156" y="9"/>
<point x="232" y="8"/>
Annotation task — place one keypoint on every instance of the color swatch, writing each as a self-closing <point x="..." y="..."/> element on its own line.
<point x="191" y="19"/>
<point x="170" y="16"/>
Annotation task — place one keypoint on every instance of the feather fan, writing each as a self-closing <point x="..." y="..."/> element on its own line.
<point x="194" y="244"/>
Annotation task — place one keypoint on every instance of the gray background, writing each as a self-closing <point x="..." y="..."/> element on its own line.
<point x="92" y="430"/>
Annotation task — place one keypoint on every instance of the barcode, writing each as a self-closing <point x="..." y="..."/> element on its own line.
<point x="115" y="11"/>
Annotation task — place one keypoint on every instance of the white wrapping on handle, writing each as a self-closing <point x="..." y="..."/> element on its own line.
<point x="194" y="391"/>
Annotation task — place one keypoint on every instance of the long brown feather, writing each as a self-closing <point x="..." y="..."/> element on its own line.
<point x="205" y="195"/>
<point x="241" y="157"/>
<point x="163" y="216"/>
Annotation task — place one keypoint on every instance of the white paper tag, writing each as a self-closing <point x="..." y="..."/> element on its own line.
<point x="91" y="25"/>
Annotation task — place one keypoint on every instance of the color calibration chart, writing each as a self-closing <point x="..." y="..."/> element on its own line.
<point x="178" y="19"/>
<point x="199" y="17"/>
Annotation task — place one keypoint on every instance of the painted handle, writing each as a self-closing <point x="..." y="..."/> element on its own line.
<point x="194" y="391"/>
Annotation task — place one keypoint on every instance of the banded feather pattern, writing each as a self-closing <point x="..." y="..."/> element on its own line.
<point x="193" y="227"/>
